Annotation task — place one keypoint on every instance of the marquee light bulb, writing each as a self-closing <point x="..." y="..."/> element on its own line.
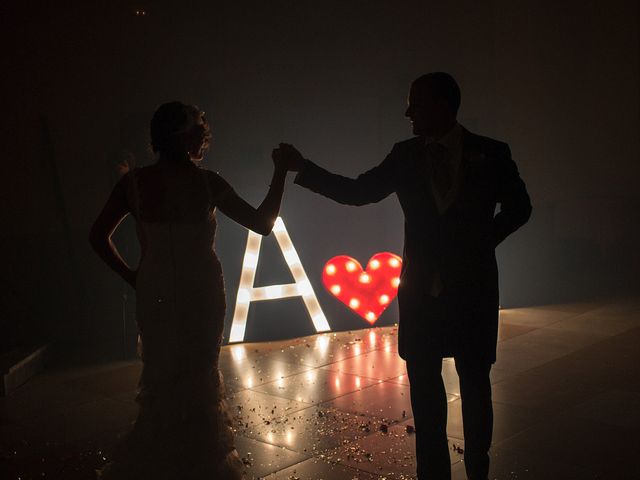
<point x="278" y="226"/>
<point x="335" y="289"/>
<point x="395" y="282"/>
<point x="331" y="269"/>
<point x="250" y="260"/>
<point x="394" y="262"/>
<point x="291" y="256"/>
<point x="371" y="316"/>
<point x="350" y="266"/>
<point x="318" y="318"/>
<point x="365" y="278"/>
<point x="305" y="288"/>
<point x="354" y="303"/>
<point x="384" y="299"/>
<point x="375" y="264"/>
<point x="244" y="296"/>
<point x="273" y="291"/>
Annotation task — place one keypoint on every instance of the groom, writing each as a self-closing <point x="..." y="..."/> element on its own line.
<point x="448" y="181"/>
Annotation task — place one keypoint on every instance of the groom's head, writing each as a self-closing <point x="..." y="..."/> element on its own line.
<point x="433" y="103"/>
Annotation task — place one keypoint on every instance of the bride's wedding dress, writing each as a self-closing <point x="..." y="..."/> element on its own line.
<point x="183" y="430"/>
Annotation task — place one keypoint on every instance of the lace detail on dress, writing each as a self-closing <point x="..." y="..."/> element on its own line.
<point x="184" y="426"/>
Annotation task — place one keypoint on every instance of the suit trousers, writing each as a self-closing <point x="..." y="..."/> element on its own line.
<point x="429" y="405"/>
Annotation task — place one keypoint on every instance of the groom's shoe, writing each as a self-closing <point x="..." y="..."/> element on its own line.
<point x="477" y="467"/>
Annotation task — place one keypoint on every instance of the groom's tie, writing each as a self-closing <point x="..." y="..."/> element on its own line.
<point x="442" y="181"/>
<point x="442" y="176"/>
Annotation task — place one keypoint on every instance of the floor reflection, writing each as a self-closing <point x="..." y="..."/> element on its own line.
<point x="566" y="391"/>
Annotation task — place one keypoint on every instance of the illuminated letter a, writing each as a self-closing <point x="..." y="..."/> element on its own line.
<point x="247" y="293"/>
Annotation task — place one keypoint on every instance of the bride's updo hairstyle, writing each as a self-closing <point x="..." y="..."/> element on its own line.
<point x="178" y="129"/>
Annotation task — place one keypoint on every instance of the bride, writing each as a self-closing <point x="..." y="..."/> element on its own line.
<point x="183" y="429"/>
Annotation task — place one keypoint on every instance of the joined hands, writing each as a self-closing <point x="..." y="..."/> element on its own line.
<point x="287" y="157"/>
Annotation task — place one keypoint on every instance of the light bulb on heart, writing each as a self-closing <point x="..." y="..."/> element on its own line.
<point x="367" y="292"/>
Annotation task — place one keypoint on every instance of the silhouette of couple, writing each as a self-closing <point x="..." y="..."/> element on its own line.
<point x="448" y="181"/>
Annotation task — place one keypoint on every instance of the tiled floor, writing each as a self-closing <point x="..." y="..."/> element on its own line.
<point x="566" y="391"/>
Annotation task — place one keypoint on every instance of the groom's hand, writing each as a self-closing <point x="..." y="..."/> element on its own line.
<point x="292" y="157"/>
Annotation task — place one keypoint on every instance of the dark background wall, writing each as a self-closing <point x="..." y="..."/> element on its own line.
<point x="558" y="81"/>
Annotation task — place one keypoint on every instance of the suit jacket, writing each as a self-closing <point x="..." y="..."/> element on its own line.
<point x="459" y="244"/>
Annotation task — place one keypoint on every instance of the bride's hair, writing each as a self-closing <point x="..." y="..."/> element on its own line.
<point x="175" y="129"/>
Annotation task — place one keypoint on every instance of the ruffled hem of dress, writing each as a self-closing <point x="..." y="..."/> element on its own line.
<point x="168" y="442"/>
<point x="230" y="467"/>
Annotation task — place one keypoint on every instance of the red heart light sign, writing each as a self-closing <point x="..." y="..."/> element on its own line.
<point x="367" y="292"/>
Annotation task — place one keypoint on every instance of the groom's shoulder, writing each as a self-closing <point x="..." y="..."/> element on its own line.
<point x="409" y="142"/>
<point x="495" y="145"/>
<point x="485" y="141"/>
<point x="487" y="144"/>
<point x="407" y="145"/>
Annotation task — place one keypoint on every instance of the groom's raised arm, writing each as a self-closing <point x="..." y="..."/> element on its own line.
<point x="369" y="187"/>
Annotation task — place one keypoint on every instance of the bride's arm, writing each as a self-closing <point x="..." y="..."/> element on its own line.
<point x="260" y="219"/>
<point x="108" y="220"/>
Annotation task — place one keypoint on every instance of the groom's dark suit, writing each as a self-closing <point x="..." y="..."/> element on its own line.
<point x="458" y="246"/>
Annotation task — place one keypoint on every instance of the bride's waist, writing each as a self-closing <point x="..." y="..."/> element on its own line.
<point x="166" y="261"/>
